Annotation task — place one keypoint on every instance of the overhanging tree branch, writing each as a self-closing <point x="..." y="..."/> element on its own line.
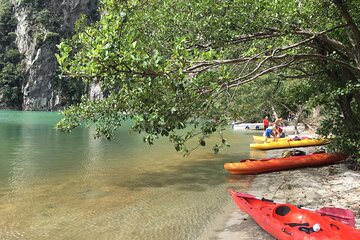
<point x="324" y="38"/>
<point x="348" y="18"/>
<point x="206" y="65"/>
<point x="300" y="75"/>
<point x="327" y="58"/>
<point x="352" y="24"/>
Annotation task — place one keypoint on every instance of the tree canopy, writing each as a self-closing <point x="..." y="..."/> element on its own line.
<point x="170" y="65"/>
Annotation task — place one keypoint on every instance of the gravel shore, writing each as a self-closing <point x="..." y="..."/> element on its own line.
<point x="333" y="185"/>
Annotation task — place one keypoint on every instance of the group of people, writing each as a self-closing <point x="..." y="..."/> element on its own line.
<point x="274" y="130"/>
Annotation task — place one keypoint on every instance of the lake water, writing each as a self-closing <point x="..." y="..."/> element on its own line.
<point x="56" y="185"/>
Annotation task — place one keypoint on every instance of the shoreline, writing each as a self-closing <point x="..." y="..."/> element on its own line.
<point x="332" y="186"/>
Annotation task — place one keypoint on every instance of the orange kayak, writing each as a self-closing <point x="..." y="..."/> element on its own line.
<point x="252" y="166"/>
<point x="286" y="221"/>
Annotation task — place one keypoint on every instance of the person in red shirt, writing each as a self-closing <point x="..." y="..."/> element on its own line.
<point x="266" y="123"/>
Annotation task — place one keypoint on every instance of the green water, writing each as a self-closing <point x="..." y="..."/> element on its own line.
<point x="56" y="185"/>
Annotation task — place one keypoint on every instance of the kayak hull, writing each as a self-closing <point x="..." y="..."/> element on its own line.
<point x="251" y="166"/>
<point x="286" y="221"/>
<point x="245" y="126"/>
<point x="289" y="144"/>
<point x="270" y="139"/>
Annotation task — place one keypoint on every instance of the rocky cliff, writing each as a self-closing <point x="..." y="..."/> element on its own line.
<point x="40" y="26"/>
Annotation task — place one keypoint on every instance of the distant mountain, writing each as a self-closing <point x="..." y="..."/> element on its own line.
<point x="29" y="32"/>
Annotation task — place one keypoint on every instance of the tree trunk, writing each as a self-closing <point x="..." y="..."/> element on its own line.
<point x="341" y="77"/>
<point x="274" y="112"/>
<point x="344" y="102"/>
<point x="348" y="77"/>
<point x="357" y="99"/>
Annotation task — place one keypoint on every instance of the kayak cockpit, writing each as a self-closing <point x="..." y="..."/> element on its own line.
<point x="290" y="215"/>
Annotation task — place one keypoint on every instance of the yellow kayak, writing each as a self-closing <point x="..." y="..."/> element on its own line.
<point x="289" y="144"/>
<point x="270" y="139"/>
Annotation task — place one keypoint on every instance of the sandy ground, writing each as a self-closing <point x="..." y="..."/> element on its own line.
<point x="314" y="188"/>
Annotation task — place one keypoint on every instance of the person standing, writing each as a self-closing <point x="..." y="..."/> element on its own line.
<point x="277" y="122"/>
<point x="266" y="123"/>
<point x="270" y="132"/>
<point x="276" y="126"/>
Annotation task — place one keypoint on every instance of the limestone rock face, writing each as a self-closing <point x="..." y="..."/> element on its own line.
<point x="71" y="9"/>
<point x="36" y="43"/>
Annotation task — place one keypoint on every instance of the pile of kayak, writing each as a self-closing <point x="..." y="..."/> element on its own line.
<point x="286" y="221"/>
<point x="253" y="166"/>
<point x="292" y="161"/>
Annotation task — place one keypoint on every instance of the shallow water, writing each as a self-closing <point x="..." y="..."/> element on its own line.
<point x="56" y="185"/>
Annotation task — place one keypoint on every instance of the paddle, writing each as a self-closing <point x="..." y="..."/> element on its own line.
<point x="345" y="216"/>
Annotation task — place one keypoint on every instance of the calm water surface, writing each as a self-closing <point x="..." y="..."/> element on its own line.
<point x="56" y="185"/>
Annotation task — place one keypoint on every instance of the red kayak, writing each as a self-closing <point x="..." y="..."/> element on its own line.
<point x="286" y="221"/>
<point x="252" y="166"/>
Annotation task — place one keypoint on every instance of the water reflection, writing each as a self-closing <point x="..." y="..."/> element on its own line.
<point x="257" y="154"/>
<point x="93" y="161"/>
<point x="23" y="164"/>
<point x="196" y="175"/>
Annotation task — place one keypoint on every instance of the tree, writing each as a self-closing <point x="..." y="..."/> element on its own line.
<point x="169" y="65"/>
<point x="10" y="73"/>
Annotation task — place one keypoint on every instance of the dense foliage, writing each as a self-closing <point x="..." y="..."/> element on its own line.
<point x="10" y="69"/>
<point x="276" y="96"/>
<point x="173" y="64"/>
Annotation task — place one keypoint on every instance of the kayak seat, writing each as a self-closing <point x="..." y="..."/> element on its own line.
<point x="286" y="213"/>
<point x="306" y="230"/>
<point x="282" y="210"/>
